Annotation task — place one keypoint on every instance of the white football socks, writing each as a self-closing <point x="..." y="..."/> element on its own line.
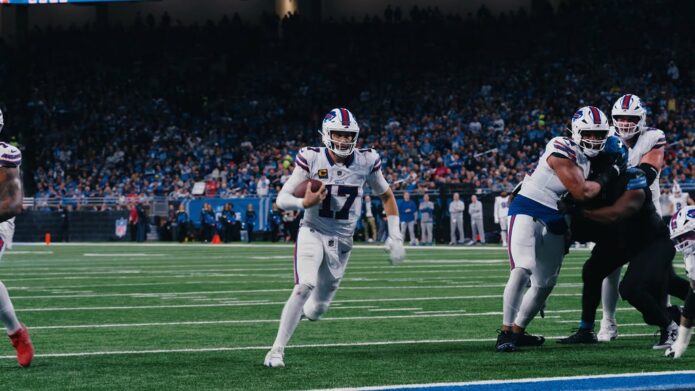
<point x="7" y="314"/>
<point x="291" y="314"/>
<point x="534" y="299"/>
<point x="513" y="293"/>
<point x="610" y="295"/>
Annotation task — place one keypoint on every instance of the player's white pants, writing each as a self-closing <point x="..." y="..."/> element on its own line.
<point x="503" y="229"/>
<point x="426" y="232"/>
<point x="410" y="226"/>
<point x="532" y="248"/>
<point x="320" y="262"/>
<point x="456" y="223"/>
<point x="477" y="229"/>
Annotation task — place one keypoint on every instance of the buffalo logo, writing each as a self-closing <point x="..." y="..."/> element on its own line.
<point x="329" y="117"/>
<point x="577" y="115"/>
<point x="691" y="213"/>
<point x="323" y="173"/>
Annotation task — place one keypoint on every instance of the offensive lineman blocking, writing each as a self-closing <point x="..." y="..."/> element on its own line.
<point x="324" y="241"/>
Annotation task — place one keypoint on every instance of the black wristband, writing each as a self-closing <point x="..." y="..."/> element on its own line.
<point x="649" y="171"/>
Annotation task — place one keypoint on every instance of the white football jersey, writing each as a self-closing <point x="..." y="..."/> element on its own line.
<point x="679" y="202"/>
<point x="339" y="212"/>
<point x="543" y="185"/>
<point x="10" y="156"/>
<point x="650" y="138"/>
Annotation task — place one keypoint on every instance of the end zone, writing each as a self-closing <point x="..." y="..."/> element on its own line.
<point x="672" y="380"/>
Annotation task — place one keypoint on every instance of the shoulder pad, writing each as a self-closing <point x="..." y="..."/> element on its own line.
<point x="373" y="159"/>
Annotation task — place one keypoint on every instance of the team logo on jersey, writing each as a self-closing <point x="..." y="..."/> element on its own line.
<point x="340" y="173"/>
<point x="121" y="227"/>
<point x="323" y="173"/>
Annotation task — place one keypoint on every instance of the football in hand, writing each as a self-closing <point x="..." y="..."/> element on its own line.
<point x="300" y="190"/>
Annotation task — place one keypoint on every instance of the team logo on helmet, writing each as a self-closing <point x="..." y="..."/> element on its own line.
<point x="329" y="117"/>
<point x="691" y="213"/>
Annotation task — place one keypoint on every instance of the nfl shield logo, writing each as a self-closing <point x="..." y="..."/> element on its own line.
<point x="121" y="227"/>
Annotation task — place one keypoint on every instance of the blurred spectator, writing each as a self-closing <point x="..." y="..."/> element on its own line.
<point x="406" y="211"/>
<point x="229" y="223"/>
<point x="475" y="209"/>
<point x="207" y="223"/>
<point x="250" y="220"/>
<point x="426" y="210"/>
<point x="369" y="220"/>
<point x="456" y="208"/>
<point x="181" y="224"/>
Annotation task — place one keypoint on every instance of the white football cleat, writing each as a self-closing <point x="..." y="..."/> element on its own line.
<point x="274" y="359"/>
<point x="676" y="350"/>
<point x="608" y="332"/>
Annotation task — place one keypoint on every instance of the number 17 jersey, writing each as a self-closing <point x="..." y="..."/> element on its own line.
<point x="338" y="213"/>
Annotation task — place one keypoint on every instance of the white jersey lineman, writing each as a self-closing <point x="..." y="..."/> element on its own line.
<point x="679" y="200"/>
<point x="537" y="229"/>
<point x="648" y="140"/>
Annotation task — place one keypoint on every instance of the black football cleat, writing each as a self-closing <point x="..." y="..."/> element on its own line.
<point x="527" y="339"/>
<point x="586" y="336"/>
<point x="506" y="342"/>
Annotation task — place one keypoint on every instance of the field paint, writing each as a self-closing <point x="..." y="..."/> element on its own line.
<point x="265" y="302"/>
<point x="15" y="252"/>
<point x="394" y="309"/>
<point x="266" y="347"/>
<point x="417" y="315"/>
<point x="122" y="255"/>
<point x="539" y="380"/>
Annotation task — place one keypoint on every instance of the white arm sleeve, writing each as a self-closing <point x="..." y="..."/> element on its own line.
<point x="286" y="200"/>
<point x="378" y="183"/>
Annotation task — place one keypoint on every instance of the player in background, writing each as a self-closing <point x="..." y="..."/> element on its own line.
<point x="324" y="241"/>
<point x="679" y="200"/>
<point x="501" y="210"/>
<point x="682" y="229"/>
<point x="537" y="229"/>
<point x="645" y="151"/>
<point x="11" y="197"/>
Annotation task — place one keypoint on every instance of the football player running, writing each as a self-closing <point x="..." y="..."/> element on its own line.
<point x="324" y="241"/>
<point x="11" y="197"/>
<point x="537" y="229"/>
<point x="646" y="151"/>
<point x="683" y="235"/>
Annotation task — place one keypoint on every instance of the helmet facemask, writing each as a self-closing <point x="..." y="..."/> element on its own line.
<point x="340" y="148"/>
<point x="592" y="141"/>
<point x="627" y="126"/>
<point x="685" y="242"/>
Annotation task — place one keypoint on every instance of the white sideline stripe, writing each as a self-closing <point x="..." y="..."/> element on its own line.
<point x="265" y="302"/>
<point x="121" y="255"/>
<point x="512" y="381"/>
<point x="235" y="348"/>
<point x="393" y="309"/>
<point x="619" y="325"/>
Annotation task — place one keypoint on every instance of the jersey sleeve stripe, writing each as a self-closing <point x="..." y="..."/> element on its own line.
<point x="302" y="159"/>
<point x="563" y="148"/>
<point x="377" y="167"/>
<point x="302" y="165"/>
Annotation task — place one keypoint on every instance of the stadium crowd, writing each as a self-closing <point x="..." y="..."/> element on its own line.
<point x="230" y="103"/>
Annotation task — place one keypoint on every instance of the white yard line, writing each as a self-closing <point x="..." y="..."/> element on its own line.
<point x="394" y="309"/>
<point x="264" y="302"/>
<point x="310" y="346"/>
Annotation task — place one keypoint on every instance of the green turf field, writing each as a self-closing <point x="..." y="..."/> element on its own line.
<point x="192" y="317"/>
